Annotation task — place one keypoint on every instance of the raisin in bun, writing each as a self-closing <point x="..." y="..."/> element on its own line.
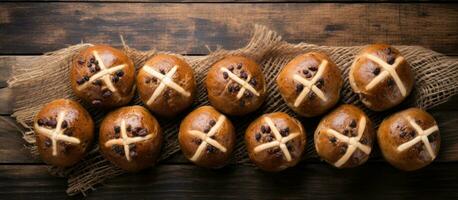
<point x="409" y="139"/>
<point x="166" y="85"/>
<point x="103" y="76"/>
<point x="207" y="137"/>
<point x="130" y="137"/>
<point x="344" y="137"/>
<point x="381" y="77"/>
<point x="64" y="131"/>
<point x="310" y="84"/>
<point x="275" y="141"/>
<point x="236" y="85"/>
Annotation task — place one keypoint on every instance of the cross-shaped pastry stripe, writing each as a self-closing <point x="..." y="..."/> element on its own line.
<point x="104" y="74"/>
<point x="57" y="134"/>
<point x="352" y="142"/>
<point x="280" y="141"/>
<point x="242" y="91"/>
<point x="310" y="85"/>
<point x="125" y="140"/>
<point x="389" y="70"/>
<point x="206" y="138"/>
<point x="244" y="84"/>
<point x="422" y="135"/>
<point x="166" y="81"/>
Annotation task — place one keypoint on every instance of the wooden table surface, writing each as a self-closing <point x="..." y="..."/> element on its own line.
<point x="29" y="29"/>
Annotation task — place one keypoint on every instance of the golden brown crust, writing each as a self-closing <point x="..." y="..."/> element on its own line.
<point x="346" y="120"/>
<point x="78" y="124"/>
<point x="222" y="90"/>
<point x="396" y="130"/>
<point x="96" y="92"/>
<point x="274" y="159"/>
<point x="385" y="94"/>
<point x="170" y="102"/>
<point x="203" y="119"/>
<point x="306" y="66"/>
<point x="139" y="124"/>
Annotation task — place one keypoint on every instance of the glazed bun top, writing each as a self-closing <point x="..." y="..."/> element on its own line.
<point x="64" y="132"/>
<point x="130" y="137"/>
<point x="344" y="137"/>
<point x="381" y="76"/>
<point x="236" y="85"/>
<point x="275" y="141"/>
<point x="310" y="84"/>
<point x="409" y="139"/>
<point x="166" y="85"/>
<point x="103" y="76"/>
<point x="207" y="137"/>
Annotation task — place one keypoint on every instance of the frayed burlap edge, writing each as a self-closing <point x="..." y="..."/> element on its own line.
<point x="436" y="82"/>
<point x="47" y="78"/>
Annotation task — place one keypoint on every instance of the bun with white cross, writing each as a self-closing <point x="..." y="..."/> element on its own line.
<point x="409" y="139"/>
<point x="64" y="131"/>
<point x="236" y="85"/>
<point x="381" y="77"/>
<point x="275" y="141"/>
<point x="130" y="137"/>
<point x="207" y="137"/>
<point x="310" y="84"/>
<point x="344" y="137"/>
<point x="103" y="76"/>
<point x="166" y="85"/>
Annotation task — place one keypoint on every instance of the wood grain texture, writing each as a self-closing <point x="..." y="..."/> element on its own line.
<point x="13" y="146"/>
<point x="308" y="180"/>
<point x="188" y="28"/>
<point x="7" y="100"/>
<point x="247" y="1"/>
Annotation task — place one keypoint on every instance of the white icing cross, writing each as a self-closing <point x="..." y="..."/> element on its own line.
<point x="421" y="135"/>
<point x="57" y="134"/>
<point x="125" y="140"/>
<point x="104" y="74"/>
<point x="310" y="85"/>
<point x="206" y="138"/>
<point x="389" y="70"/>
<point x="353" y="142"/>
<point x="166" y="81"/>
<point x="280" y="140"/>
<point x="244" y="84"/>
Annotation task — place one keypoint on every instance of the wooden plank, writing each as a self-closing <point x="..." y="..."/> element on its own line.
<point x="309" y="180"/>
<point x="30" y="182"/>
<point x="246" y="1"/>
<point x="12" y="148"/>
<point x="34" y="28"/>
<point x="7" y="100"/>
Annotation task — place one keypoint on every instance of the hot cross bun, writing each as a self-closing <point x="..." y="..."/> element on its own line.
<point x="236" y="85"/>
<point x="275" y="141"/>
<point x="207" y="137"/>
<point x="64" y="131"/>
<point x="344" y="137"/>
<point x="381" y="77"/>
<point x="409" y="139"/>
<point x="130" y="137"/>
<point x="166" y="85"/>
<point x="310" y="84"/>
<point x="103" y="76"/>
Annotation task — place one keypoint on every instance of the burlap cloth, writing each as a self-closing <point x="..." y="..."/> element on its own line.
<point x="47" y="77"/>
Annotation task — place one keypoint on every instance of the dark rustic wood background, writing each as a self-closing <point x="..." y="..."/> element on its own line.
<point x="31" y="28"/>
